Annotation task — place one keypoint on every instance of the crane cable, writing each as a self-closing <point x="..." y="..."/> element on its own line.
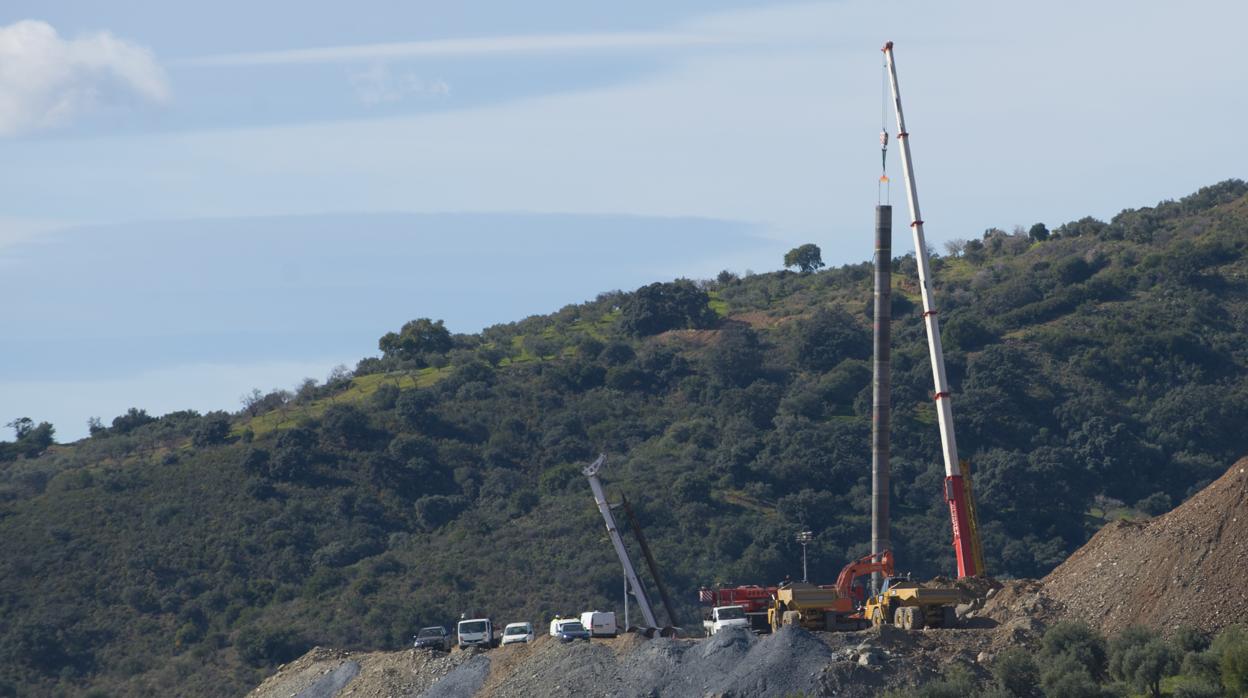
<point x="883" y="188"/>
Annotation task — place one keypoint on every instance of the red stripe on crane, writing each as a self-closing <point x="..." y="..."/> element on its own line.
<point x="940" y="395"/>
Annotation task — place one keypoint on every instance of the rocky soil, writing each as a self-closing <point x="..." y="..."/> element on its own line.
<point x="1187" y="567"/>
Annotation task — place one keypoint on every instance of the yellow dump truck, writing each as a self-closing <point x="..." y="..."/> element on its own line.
<point x="812" y="607"/>
<point x="912" y="606"/>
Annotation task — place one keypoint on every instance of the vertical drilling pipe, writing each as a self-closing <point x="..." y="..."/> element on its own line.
<point x="881" y="386"/>
<point x="639" y="592"/>
<point x="964" y="543"/>
<point x="654" y="567"/>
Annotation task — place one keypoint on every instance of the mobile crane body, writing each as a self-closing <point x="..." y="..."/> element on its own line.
<point x="966" y="544"/>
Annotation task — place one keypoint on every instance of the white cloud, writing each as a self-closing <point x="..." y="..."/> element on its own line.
<point x="459" y="47"/>
<point x="46" y="81"/>
<point x="377" y="84"/>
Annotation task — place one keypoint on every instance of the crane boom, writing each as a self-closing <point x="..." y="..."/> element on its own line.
<point x="591" y="472"/>
<point x="966" y="544"/>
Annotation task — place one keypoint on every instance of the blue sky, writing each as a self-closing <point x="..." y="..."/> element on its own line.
<point x="205" y="198"/>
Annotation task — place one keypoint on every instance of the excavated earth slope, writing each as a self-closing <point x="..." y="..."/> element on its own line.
<point x="1187" y="567"/>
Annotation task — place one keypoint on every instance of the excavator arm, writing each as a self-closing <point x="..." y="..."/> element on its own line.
<point x="869" y="564"/>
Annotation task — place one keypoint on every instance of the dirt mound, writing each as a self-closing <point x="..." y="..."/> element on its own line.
<point x="325" y="673"/>
<point x="1186" y="567"/>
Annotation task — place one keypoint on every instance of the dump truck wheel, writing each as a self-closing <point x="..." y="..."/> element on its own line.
<point x="948" y="617"/>
<point x="918" y="617"/>
<point x="903" y="618"/>
<point x="877" y="617"/>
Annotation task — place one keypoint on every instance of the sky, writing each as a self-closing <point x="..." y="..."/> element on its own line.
<point x="199" y="199"/>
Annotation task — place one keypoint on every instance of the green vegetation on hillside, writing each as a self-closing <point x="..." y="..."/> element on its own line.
<point x="1097" y="369"/>
<point x="1074" y="661"/>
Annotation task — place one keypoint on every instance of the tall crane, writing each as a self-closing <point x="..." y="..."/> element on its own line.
<point x="639" y="592"/>
<point x="966" y="545"/>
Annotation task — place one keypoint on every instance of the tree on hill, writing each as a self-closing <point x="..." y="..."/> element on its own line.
<point x="32" y="439"/>
<point x="1140" y="658"/>
<point x="417" y="337"/>
<point x="660" y="307"/>
<point x="806" y="258"/>
<point x="131" y="420"/>
<point x="828" y="337"/>
<point x="735" y="359"/>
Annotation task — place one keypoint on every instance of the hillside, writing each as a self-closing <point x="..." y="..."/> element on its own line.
<point x="1099" y="372"/>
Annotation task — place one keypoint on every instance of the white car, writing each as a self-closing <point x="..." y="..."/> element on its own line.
<point x="518" y="632"/>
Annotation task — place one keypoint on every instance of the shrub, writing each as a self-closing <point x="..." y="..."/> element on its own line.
<point x="1077" y="642"/>
<point x="267" y="646"/>
<point x="659" y="307"/>
<point x="1141" y="659"/>
<point x="1015" y="671"/>
<point x="1155" y="504"/>
<point x="213" y="429"/>
<point x="1231" y="648"/>
<point x="345" y="426"/>
<point x="436" y="510"/>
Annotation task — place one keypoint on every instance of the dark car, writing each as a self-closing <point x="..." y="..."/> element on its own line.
<point x="433" y="638"/>
<point x="571" y="630"/>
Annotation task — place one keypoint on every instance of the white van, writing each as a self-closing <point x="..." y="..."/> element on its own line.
<point x="476" y="632"/>
<point x="600" y="623"/>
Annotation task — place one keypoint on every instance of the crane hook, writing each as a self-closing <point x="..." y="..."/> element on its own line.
<point x="883" y="156"/>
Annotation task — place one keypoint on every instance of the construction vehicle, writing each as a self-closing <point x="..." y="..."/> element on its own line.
<point x="912" y="606"/>
<point x="827" y="607"/>
<point x="966" y="543"/>
<point x="600" y="623"/>
<point x="753" y="599"/>
<point x="811" y="607"/>
<point x="476" y="632"/>
<point x="724" y="617"/>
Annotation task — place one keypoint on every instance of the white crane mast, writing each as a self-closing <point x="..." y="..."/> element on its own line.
<point x="591" y="472"/>
<point x="961" y="504"/>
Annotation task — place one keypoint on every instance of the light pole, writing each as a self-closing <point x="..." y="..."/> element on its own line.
<point x="804" y="537"/>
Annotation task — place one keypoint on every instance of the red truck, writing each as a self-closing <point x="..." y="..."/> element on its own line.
<point x="753" y="598"/>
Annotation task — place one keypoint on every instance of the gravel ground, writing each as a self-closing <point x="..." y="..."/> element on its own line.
<point x="465" y="680"/>
<point x="330" y="684"/>
<point x="732" y="663"/>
